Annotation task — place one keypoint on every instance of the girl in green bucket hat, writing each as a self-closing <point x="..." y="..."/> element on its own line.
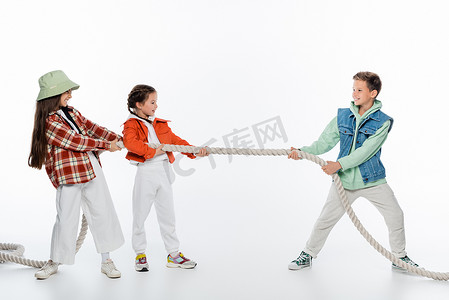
<point x="69" y="145"/>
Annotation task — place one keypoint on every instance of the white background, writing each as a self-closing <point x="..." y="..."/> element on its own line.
<point x="220" y="66"/>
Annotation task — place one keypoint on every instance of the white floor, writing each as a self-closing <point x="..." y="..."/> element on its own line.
<point x="222" y="275"/>
<point x="243" y="230"/>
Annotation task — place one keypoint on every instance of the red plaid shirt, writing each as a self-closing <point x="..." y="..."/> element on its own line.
<point x="67" y="159"/>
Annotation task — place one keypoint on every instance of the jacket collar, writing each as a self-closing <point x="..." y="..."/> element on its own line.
<point x="69" y="108"/>
<point x="154" y="120"/>
<point x="374" y="111"/>
<point x="375" y="115"/>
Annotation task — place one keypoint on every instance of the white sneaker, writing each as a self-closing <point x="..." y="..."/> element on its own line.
<point x="47" y="270"/>
<point x="110" y="270"/>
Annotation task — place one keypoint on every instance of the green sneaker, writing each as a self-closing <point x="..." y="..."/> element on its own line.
<point x="407" y="260"/>
<point x="303" y="261"/>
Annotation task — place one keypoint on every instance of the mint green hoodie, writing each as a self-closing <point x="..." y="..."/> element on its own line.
<point x="350" y="173"/>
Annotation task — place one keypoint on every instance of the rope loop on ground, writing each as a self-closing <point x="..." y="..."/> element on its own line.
<point x="15" y="251"/>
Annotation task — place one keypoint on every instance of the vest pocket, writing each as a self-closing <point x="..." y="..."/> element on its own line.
<point x="346" y="136"/>
<point x="345" y="130"/>
<point x="364" y="133"/>
<point x="367" y="130"/>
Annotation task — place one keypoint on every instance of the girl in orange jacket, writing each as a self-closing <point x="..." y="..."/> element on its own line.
<point x="154" y="175"/>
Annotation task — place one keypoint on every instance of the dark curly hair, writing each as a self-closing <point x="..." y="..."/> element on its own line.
<point x="139" y="93"/>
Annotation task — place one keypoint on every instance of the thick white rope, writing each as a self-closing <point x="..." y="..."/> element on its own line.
<point x="16" y="254"/>
<point x="341" y="193"/>
<point x="15" y="251"/>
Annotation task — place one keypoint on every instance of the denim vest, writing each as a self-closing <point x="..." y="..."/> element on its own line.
<point x="373" y="168"/>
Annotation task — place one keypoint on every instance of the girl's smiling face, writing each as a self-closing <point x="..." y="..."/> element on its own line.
<point x="148" y="107"/>
<point x="65" y="97"/>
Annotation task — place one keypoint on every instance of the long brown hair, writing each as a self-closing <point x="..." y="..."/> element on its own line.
<point x="38" y="151"/>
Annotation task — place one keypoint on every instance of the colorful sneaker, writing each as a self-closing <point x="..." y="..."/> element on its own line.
<point x="180" y="261"/>
<point x="141" y="263"/>
<point x="47" y="270"/>
<point x="304" y="260"/>
<point x="110" y="270"/>
<point x="407" y="260"/>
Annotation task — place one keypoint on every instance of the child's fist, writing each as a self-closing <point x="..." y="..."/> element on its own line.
<point x="203" y="152"/>
<point x="114" y="146"/>
<point x="159" y="150"/>
<point x="294" y="154"/>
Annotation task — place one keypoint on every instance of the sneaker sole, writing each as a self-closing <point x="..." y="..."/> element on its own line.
<point x="297" y="268"/>
<point x="399" y="269"/>
<point x="142" y="269"/>
<point x="43" y="277"/>
<point x="182" y="266"/>
<point x="111" y="276"/>
<point x="294" y="267"/>
<point x="40" y="277"/>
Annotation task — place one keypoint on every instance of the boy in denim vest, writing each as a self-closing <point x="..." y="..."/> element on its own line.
<point x="361" y="130"/>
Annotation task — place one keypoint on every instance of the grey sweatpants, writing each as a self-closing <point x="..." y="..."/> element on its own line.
<point x="381" y="196"/>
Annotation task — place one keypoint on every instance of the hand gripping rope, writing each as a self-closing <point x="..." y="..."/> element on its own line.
<point x="15" y="256"/>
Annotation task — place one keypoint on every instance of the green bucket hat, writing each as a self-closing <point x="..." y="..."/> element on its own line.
<point x="54" y="83"/>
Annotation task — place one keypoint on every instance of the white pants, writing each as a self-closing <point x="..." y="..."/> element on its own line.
<point x="96" y="202"/>
<point x="153" y="185"/>
<point x="381" y="196"/>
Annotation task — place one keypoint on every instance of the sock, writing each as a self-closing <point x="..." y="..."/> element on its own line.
<point x="104" y="257"/>
<point x="174" y="254"/>
<point x="138" y="256"/>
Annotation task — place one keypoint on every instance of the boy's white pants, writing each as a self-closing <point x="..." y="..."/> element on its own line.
<point x="153" y="185"/>
<point x="96" y="202"/>
<point x="381" y="196"/>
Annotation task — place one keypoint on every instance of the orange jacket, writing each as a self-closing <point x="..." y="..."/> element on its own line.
<point x="135" y="139"/>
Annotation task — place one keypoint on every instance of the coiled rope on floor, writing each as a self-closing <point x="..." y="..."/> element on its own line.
<point x="15" y="251"/>
<point x="16" y="254"/>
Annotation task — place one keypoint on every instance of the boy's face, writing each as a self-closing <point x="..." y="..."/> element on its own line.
<point x="361" y="94"/>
